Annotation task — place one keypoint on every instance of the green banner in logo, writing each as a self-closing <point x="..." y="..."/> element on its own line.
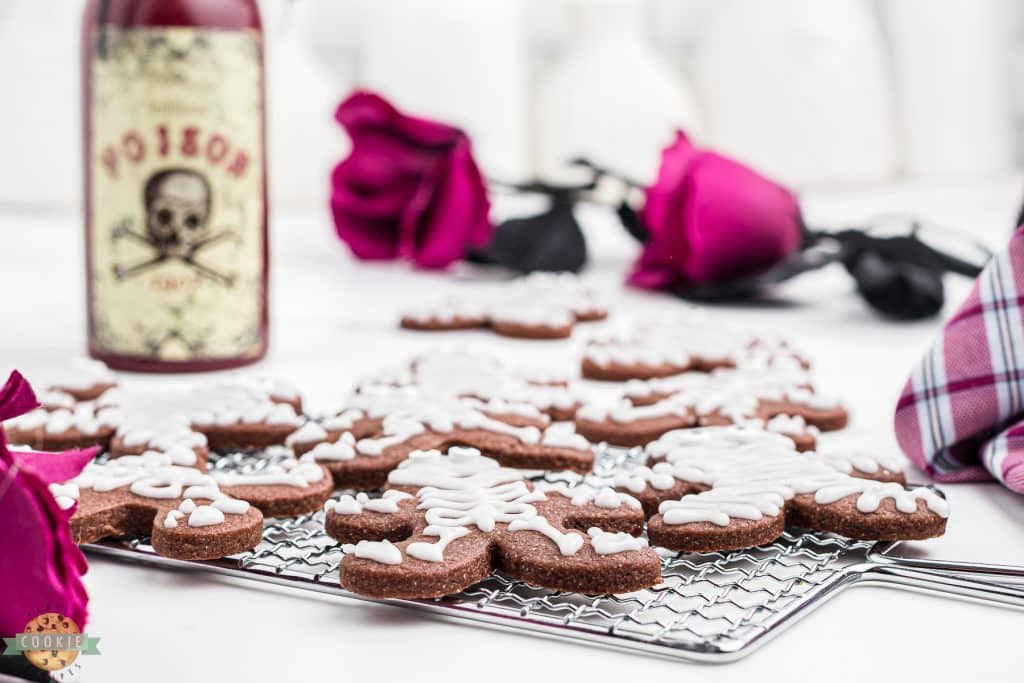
<point x="78" y="642"/>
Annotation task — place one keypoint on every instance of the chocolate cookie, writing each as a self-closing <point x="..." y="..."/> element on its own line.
<point x="741" y="487"/>
<point x="188" y="514"/>
<point x="60" y="428"/>
<point x="447" y="521"/>
<point x="539" y="306"/>
<point x="366" y="463"/>
<point x="686" y="341"/>
<point x="85" y="380"/>
<point x="460" y="372"/>
<point x="629" y="425"/>
<point x="733" y="395"/>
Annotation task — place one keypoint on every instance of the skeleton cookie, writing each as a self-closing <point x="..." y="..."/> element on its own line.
<point x="447" y="521"/>
<point x="671" y="345"/>
<point x="724" y="488"/>
<point x="462" y="372"/>
<point x="733" y="395"/>
<point x="777" y="401"/>
<point x="539" y="306"/>
<point x="67" y="417"/>
<point x="189" y="515"/>
<point x="515" y="438"/>
<point x="239" y="413"/>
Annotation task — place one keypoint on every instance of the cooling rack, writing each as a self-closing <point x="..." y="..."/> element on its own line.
<point x="713" y="607"/>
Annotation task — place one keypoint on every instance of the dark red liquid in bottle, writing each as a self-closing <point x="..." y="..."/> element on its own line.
<point x="175" y="183"/>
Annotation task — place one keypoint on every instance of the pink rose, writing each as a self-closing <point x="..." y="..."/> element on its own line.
<point x="409" y="188"/>
<point x="40" y="566"/>
<point x="711" y="219"/>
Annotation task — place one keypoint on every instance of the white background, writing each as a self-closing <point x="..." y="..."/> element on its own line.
<point x="334" y="319"/>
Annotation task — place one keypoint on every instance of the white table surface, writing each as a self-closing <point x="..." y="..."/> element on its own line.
<point x="334" y="320"/>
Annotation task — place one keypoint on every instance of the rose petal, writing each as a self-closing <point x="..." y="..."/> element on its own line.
<point x="409" y="187"/>
<point x="37" y="552"/>
<point x="16" y="397"/>
<point x="458" y="212"/>
<point x="736" y="221"/>
<point x="710" y="219"/>
<point x="54" y="468"/>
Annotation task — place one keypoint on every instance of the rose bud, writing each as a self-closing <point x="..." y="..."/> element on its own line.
<point x="712" y="219"/>
<point x="409" y="188"/>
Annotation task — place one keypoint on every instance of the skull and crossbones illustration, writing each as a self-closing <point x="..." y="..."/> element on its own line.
<point x="177" y="205"/>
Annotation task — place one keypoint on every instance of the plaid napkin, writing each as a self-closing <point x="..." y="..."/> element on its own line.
<point x="961" y="414"/>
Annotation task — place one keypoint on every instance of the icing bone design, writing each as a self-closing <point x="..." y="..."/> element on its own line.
<point x="188" y="514"/>
<point x="514" y="434"/>
<point x="446" y="521"/>
<point x="723" y="488"/>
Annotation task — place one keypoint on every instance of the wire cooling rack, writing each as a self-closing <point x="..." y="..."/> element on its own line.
<point x="713" y="607"/>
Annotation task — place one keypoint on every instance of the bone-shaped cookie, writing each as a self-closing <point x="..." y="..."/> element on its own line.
<point x="189" y="514"/>
<point x="724" y="488"/>
<point x="446" y="521"/>
<point x="514" y="439"/>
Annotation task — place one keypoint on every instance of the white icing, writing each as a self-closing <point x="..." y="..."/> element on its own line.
<point x="569" y="543"/>
<point x="379" y="551"/>
<point x="440" y="417"/>
<point x="231" y="506"/>
<point x="205" y="515"/>
<point x="565" y="437"/>
<point x="286" y="473"/>
<point x="461" y="490"/>
<point x="434" y="552"/>
<point x="752" y="479"/>
<point x="603" y="497"/>
<point x="341" y="449"/>
<point x="171" y="520"/>
<point x="152" y="476"/>
<point x="346" y="505"/>
<point x="459" y="372"/>
<point x="862" y="461"/>
<point x="308" y="432"/>
<point x="542" y="299"/>
<point x="610" y="543"/>
<point x="84" y="374"/>
<point x="737" y="392"/>
<point x="60" y="420"/>
<point x="56" y="399"/>
<point x="625" y="412"/>
<point x="534" y="314"/>
<point x="66" y="495"/>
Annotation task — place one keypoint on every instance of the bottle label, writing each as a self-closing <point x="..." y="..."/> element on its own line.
<point x="176" y="195"/>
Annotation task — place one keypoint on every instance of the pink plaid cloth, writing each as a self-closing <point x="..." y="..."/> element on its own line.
<point x="961" y="414"/>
